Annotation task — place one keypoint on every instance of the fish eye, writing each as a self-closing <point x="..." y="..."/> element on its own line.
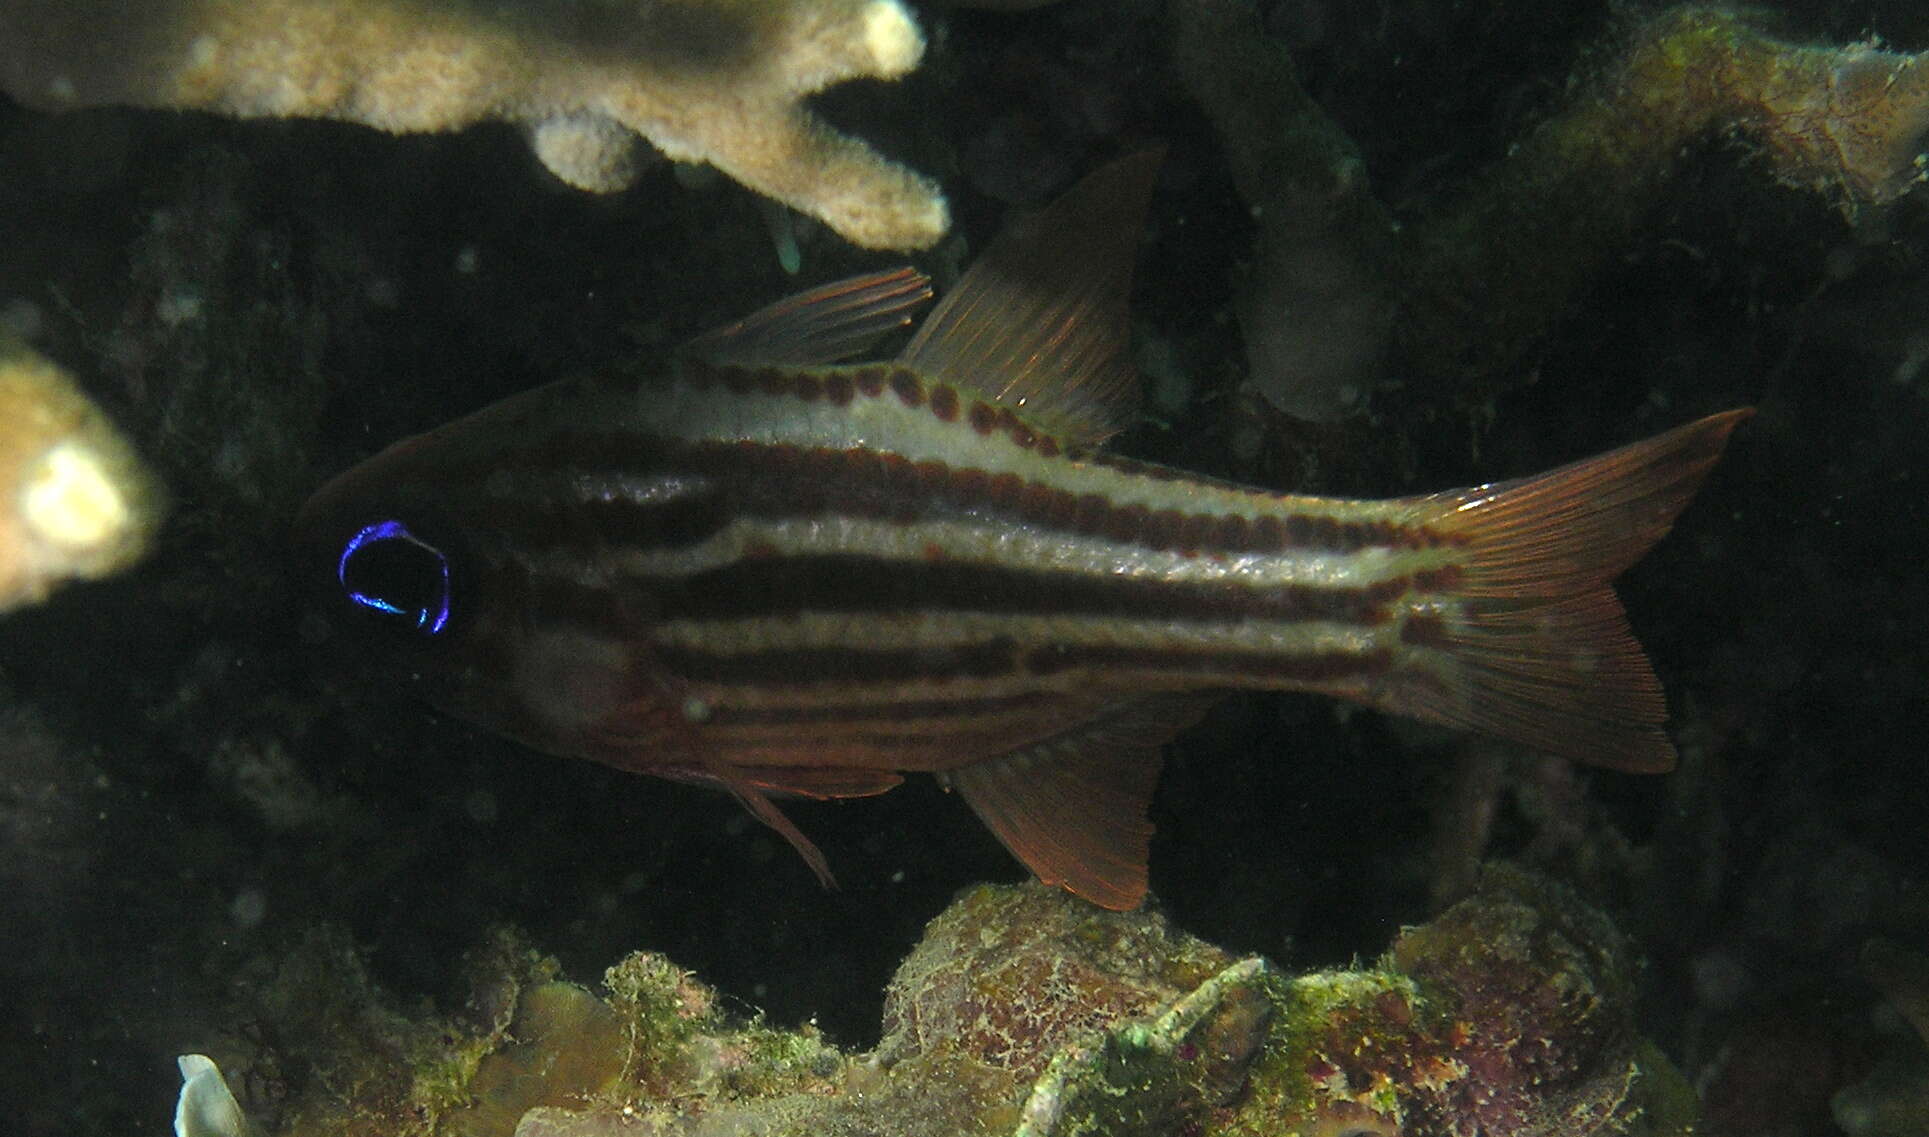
<point x="388" y="570"/>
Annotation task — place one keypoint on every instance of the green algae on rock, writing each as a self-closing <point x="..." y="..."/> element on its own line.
<point x="1023" y="1012"/>
<point x="1092" y="1016"/>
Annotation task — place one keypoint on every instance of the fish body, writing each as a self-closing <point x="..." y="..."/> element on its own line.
<point x="755" y="569"/>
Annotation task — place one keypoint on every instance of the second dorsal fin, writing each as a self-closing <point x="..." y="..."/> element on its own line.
<point x="1039" y="323"/>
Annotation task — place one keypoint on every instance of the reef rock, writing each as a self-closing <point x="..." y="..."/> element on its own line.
<point x="1023" y="1011"/>
<point x="1510" y="1015"/>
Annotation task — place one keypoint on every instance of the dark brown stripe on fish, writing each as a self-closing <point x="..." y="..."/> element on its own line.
<point x="574" y="508"/>
<point x="667" y="526"/>
<point x="898" y="711"/>
<point x="807" y="667"/>
<point x="945" y="402"/>
<point x="786" y="667"/>
<point x="1310" y="668"/>
<point x="799" y="482"/>
<point x="779" y="481"/>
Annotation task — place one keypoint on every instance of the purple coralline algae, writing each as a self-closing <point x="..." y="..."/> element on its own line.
<point x="1509" y="1015"/>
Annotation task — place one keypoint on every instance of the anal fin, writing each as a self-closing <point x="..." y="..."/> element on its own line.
<point x="1073" y="806"/>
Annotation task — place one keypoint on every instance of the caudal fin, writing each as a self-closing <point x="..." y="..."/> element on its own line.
<point x="1544" y="655"/>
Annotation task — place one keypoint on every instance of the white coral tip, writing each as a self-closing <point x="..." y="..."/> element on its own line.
<point x="892" y="38"/>
<point x="72" y="504"/>
<point x="206" y="1107"/>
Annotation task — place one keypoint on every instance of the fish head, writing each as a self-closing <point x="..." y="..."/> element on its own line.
<point x="447" y="568"/>
<point x="389" y="575"/>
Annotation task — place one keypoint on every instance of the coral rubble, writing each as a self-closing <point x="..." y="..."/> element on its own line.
<point x="185" y="785"/>
<point x="1023" y="1012"/>
<point x="75" y="502"/>
<point x="716" y="81"/>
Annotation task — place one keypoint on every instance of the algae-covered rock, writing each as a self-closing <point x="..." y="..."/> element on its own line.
<point x="1092" y="1017"/>
<point x="1026" y="1012"/>
<point x="1023" y="1011"/>
<point x="1510" y="1015"/>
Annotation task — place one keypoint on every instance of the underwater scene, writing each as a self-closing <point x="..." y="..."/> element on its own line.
<point x="854" y="568"/>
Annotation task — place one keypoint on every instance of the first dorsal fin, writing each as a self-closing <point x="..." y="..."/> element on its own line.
<point x="1073" y="806"/>
<point x="1039" y="323"/>
<point x="822" y="325"/>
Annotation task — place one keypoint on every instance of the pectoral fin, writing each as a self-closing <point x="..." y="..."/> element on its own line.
<point x="820" y="783"/>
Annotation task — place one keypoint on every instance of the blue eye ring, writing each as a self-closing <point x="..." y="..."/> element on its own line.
<point x="430" y="618"/>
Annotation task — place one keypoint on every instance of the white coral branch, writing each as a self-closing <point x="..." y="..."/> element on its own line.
<point x="717" y="81"/>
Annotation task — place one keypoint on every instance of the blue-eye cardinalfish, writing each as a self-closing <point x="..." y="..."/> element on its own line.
<point x="760" y="569"/>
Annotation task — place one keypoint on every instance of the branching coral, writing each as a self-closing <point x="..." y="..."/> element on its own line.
<point x="717" y="81"/>
<point x="74" y="500"/>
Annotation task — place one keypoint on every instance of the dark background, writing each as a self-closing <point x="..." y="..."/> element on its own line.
<point x="186" y="785"/>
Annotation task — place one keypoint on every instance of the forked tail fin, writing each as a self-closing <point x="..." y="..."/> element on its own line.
<point x="1544" y="655"/>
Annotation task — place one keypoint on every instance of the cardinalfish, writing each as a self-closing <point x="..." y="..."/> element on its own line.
<point x="760" y="569"/>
